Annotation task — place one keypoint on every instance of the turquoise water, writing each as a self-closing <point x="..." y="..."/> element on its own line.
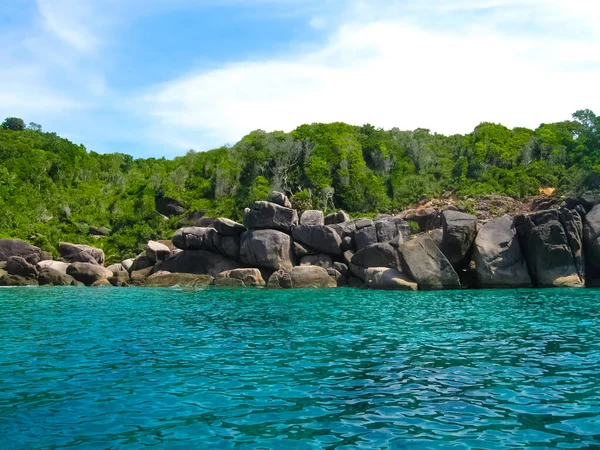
<point x="175" y="369"/>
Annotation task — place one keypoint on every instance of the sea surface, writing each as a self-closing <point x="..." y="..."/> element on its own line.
<point x="301" y="369"/>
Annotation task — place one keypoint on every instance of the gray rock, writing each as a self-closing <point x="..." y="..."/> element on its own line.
<point x="426" y="218"/>
<point x="311" y="277"/>
<point x="141" y="262"/>
<point x="228" y="282"/>
<point x="391" y="228"/>
<point x="228" y="227"/>
<point x="341" y="268"/>
<point x="377" y="255"/>
<point x="101" y="283"/>
<point x="169" y="206"/>
<point x="365" y="234"/>
<point x="157" y="251"/>
<point x="347" y="243"/>
<point x="498" y="258"/>
<point x="590" y="200"/>
<point x="572" y="223"/>
<point x="318" y="259"/>
<point x="312" y="217"/>
<point x="100" y="231"/>
<point x="388" y="279"/>
<point x="114" y="268"/>
<point x="460" y="230"/>
<point x="88" y="273"/>
<point x="269" y="249"/>
<point x="50" y="276"/>
<point x="243" y="277"/>
<point x="16" y="247"/>
<point x="300" y="250"/>
<point x="280" y="279"/>
<point x="120" y="278"/>
<point x="230" y="247"/>
<point x="546" y="248"/>
<point x="427" y="265"/>
<point x="59" y="266"/>
<point x="127" y="263"/>
<point x="199" y="262"/>
<point x="592" y="237"/>
<point x="15" y="280"/>
<point x="196" y="238"/>
<point x="266" y="215"/>
<point x="16" y="265"/>
<point x="279" y="198"/>
<point x="80" y="253"/>
<point x="338" y="217"/>
<point x="319" y="237"/>
<point x="138" y="277"/>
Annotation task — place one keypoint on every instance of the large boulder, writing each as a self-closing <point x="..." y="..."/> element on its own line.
<point x="127" y="263"/>
<point x="166" y="279"/>
<point x="388" y="279"/>
<point x="120" y="278"/>
<point x="267" y="215"/>
<point x="279" y="198"/>
<point x="157" y="251"/>
<point x="365" y="234"/>
<point x="270" y="249"/>
<point x="17" y="265"/>
<point x="230" y="246"/>
<point x="459" y="234"/>
<point x="242" y="277"/>
<point x="168" y="206"/>
<point x="59" y="266"/>
<point x="498" y="258"/>
<point x="16" y="247"/>
<point x="319" y="237"/>
<point x="196" y="238"/>
<point x="550" y="257"/>
<point x="377" y="255"/>
<point x="227" y="227"/>
<point x="80" y="253"/>
<point x="312" y="277"/>
<point x="339" y="217"/>
<point x="280" y="279"/>
<point x="317" y="259"/>
<point x="141" y="262"/>
<point x="88" y="273"/>
<point x="114" y="268"/>
<point x="7" y="279"/>
<point x="312" y="217"/>
<point x="50" y="276"/>
<point x="427" y="265"/>
<point x="199" y="262"/>
<point x="392" y="229"/>
<point x="592" y="237"/>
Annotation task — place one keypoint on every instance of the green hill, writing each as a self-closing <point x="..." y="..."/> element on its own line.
<point x="53" y="190"/>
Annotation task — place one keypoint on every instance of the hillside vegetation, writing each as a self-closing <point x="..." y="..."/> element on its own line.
<point x="52" y="190"/>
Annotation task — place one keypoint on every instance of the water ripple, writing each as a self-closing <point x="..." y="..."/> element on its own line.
<point x="256" y="369"/>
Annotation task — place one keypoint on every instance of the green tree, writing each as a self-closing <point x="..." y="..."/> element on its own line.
<point x="13" y="123"/>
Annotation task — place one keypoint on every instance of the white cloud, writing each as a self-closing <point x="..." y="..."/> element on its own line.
<point x="391" y="72"/>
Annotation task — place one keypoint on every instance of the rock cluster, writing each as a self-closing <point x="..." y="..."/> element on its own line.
<point x="278" y="249"/>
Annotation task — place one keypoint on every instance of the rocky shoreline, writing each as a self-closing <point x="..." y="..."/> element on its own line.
<point x="277" y="248"/>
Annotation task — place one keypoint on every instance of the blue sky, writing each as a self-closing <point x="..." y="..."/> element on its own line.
<point x="160" y="77"/>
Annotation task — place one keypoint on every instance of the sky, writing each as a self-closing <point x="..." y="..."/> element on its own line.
<point x="156" y="78"/>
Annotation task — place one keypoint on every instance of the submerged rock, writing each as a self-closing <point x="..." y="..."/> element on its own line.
<point x="166" y="279"/>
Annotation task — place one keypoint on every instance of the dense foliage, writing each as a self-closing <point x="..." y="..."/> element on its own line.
<point x="52" y="189"/>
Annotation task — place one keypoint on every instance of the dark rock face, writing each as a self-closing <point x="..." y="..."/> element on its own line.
<point x="592" y="240"/>
<point x="140" y="263"/>
<point x="377" y="255"/>
<point x="199" y="262"/>
<point x="227" y="227"/>
<point x="17" y="265"/>
<point x="16" y="247"/>
<point x="15" y="280"/>
<point x="80" y="253"/>
<point x="550" y="258"/>
<point x="269" y="249"/>
<point x="279" y="198"/>
<point x="312" y="217"/>
<point x="498" y="258"/>
<point x="312" y="277"/>
<point x="392" y="229"/>
<point x="266" y="215"/>
<point x="49" y="276"/>
<point x="230" y="247"/>
<point x="338" y="217"/>
<point x="388" y="279"/>
<point x="459" y="234"/>
<point x="87" y="273"/>
<point x="426" y="264"/>
<point x="318" y="237"/>
<point x="365" y="234"/>
<point x="280" y="280"/>
<point x="318" y="259"/>
<point x="168" y="206"/>
<point x="156" y="251"/>
<point x="195" y="238"/>
<point x="589" y="200"/>
<point x="165" y="279"/>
